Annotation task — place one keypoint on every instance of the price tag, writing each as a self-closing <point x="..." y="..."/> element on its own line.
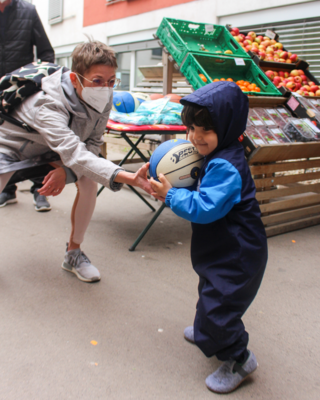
<point x="270" y="34"/>
<point x="293" y="103"/>
<point x="239" y="61"/>
<point x="209" y="28"/>
<point x="276" y="130"/>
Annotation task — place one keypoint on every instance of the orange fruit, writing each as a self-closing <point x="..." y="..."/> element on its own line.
<point x="250" y="88"/>
<point x="216" y="80"/>
<point x="243" y="87"/>
<point x="203" y="77"/>
<point x="222" y="79"/>
<point x="246" y="83"/>
<point x="257" y="89"/>
<point x="230" y="79"/>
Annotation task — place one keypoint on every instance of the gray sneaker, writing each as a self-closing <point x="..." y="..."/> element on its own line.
<point x="41" y="203"/>
<point x="77" y="262"/>
<point x="6" y="198"/>
<point x="189" y="334"/>
<point x="231" y="374"/>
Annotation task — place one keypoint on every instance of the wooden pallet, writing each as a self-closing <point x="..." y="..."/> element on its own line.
<point x="287" y="178"/>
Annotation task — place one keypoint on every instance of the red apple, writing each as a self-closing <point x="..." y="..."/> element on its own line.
<point x="247" y="42"/>
<point x="288" y="61"/>
<point x="300" y="72"/>
<point x="262" y="54"/>
<point x="252" y="34"/>
<point x="297" y="79"/>
<point x="306" y="88"/>
<point x="241" y="35"/>
<point x="314" y="88"/>
<point x="284" y="55"/>
<point x="236" y="31"/>
<point x="270" y="74"/>
<point x="266" y="38"/>
<point x="298" y="85"/>
<point x="291" y="79"/>
<point x="281" y="73"/>
<point x="269" y="50"/>
<point x="282" y="60"/>
<point x="257" y="40"/>
<point x="276" y="80"/>
<point x="293" y="57"/>
<point x="286" y="74"/>
<point x="301" y="92"/>
<point x="311" y="83"/>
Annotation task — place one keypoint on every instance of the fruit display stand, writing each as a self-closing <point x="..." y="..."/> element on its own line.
<point x="287" y="179"/>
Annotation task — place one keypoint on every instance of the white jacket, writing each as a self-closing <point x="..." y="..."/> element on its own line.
<point x="49" y="113"/>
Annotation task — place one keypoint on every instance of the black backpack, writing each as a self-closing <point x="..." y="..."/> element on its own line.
<point x="16" y="86"/>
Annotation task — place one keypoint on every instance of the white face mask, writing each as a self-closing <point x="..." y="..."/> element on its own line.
<point x="96" y="97"/>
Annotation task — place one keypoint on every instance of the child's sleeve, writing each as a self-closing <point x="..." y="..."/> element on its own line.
<point x="219" y="191"/>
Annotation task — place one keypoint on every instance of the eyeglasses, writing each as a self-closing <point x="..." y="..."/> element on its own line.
<point x="100" y="83"/>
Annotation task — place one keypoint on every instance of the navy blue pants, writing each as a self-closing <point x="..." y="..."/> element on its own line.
<point x="223" y="299"/>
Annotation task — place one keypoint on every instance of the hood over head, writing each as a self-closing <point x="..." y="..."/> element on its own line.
<point x="228" y="108"/>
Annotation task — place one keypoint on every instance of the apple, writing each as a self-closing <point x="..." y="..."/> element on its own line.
<point x="306" y="88"/>
<point x="266" y="38"/>
<point x="304" y="82"/>
<point x="298" y="85"/>
<point x="236" y="31"/>
<point x="276" y="80"/>
<point x="314" y="88"/>
<point x="294" y="72"/>
<point x="311" y="83"/>
<point x="311" y="94"/>
<point x="236" y="38"/>
<point x="301" y="92"/>
<point x="279" y="46"/>
<point x="284" y="55"/>
<point x="288" y="61"/>
<point x="293" y="57"/>
<point x="270" y="75"/>
<point x="257" y="40"/>
<point x="300" y="72"/>
<point x="306" y="93"/>
<point x="255" y="49"/>
<point x="273" y="42"/>
<point x="286" y="74"/>
<point x="318" y="93"/>
<point x="252" y="34"/>
<point x="291" y="85"/>
<point x="248" y="37"/>
<point x="247" y="42"/>
<point x="276" y="59"/>
<point x="262" y="54"/>
<point x="266" y="43"/>
<point x="291" y="79"/>
<point x="249" y="47"/>
<point x="297" y="79"/>
<point x="241" y="35"/>
<point x="282" y="60"/>
<point x="281" y="73"/>
<point x="269" y="50"/>
<point x="289" y="54"/>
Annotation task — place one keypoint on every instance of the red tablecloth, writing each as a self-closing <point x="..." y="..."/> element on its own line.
<point x="117" y="126"/>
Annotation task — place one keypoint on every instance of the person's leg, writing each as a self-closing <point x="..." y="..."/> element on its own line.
<point x="41" y="202"/>
<point x="75" y="260"/>
<point x="7" y="192"/>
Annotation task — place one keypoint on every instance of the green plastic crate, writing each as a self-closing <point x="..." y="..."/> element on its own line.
<point x="217" y="67"/>
<point x="182" y="37"/>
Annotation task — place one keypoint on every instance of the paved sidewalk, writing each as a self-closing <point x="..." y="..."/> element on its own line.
<point x="138" y="311"/>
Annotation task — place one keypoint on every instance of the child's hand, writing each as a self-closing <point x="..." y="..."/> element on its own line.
<point x="160" y="188"/>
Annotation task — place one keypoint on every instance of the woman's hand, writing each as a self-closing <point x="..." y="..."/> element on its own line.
<point x="53" y="183"/>
<point x="138" y="178"/>
<point x="160" y="189"/>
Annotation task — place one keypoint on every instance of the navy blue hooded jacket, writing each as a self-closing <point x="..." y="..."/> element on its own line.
<point x="229" y="246"/>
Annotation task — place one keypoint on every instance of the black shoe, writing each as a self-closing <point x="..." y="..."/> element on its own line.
<point x="41" y="203"/>
<point x="7" y="198"/>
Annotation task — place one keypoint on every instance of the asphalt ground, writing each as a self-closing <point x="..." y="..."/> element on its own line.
<point x="122" y="338"/>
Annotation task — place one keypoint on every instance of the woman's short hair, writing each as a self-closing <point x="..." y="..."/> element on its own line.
<point x="90" y="53"/>
<point x="192" y="114"/>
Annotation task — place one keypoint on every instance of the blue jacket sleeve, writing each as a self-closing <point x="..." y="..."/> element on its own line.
<point x="219" y="191"/>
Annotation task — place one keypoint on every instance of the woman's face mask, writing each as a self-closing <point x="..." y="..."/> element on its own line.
<point x="96" y="97"/>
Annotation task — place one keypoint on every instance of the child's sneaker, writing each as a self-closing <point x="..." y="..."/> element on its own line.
<point x="189" y="334"/>
<point x="231" y="374"/>
<point x="77" y="262"/>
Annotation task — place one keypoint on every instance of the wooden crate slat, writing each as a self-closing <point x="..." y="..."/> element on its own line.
<point x="273" y="194"/>
<point x="286" y="151"/>
<point x="292" y="215"/>
<point x="284" y="166"/>
<point x="282" y="180"/>
<point x="291" y="226"/>
<point x="297" y="202"/>
<point x="264" y="101"/>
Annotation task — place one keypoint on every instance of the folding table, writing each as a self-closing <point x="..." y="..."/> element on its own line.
<point x="143" y="130"/>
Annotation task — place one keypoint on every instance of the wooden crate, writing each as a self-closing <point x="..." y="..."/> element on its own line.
<point x="287" y="178"/>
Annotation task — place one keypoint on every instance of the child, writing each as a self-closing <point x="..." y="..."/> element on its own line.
<point x="229" y="246"/>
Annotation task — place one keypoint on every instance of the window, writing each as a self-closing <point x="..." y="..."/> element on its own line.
<point x="64" y="60"/>
<point x="146" y="57"/>
<point x="123" y="72"/>
<point x="301" y="37"/>
<point x="55" y="11"/>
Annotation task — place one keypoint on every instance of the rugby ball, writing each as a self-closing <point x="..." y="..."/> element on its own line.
<point x="178" y="160"/>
